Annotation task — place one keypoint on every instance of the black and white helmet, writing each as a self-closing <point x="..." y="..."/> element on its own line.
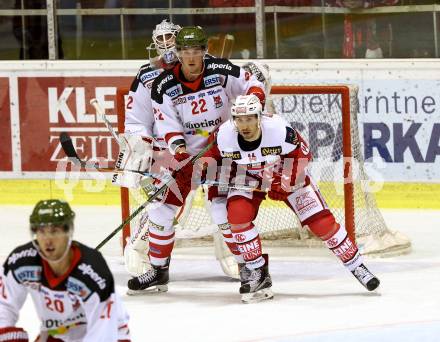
<point x="164" y="36"/>
<point x="261" y="72"/>
<point x="246" y="105"/>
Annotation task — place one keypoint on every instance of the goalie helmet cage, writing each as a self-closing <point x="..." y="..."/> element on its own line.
<point x="326" y="116"/>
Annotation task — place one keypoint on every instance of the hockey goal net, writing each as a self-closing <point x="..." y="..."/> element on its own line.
<point x="327" y="118"/>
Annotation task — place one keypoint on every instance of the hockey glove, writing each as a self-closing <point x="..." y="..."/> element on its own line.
<point x="184" y="169"/>
<point x="13" y="334"/>
<point x="134" y="154"/>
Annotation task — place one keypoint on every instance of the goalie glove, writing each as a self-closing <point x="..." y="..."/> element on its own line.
<point x="134" y="154"/>
<point x="13" y="334"/>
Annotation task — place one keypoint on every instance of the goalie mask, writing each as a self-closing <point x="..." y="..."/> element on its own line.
<point x="261" y="72"/>
<point x="164" y="37"/>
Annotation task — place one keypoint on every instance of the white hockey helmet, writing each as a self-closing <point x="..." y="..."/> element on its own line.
<point x="246" y="105"/>
<point x="164" y="36"/>
<point x="261" y="72"/>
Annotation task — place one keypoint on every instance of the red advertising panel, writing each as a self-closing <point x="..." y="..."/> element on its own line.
<point x="5" y="126"/>
<point x="50" y="105"/>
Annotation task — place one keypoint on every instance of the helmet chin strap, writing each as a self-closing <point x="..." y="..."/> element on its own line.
<point x="37" y="247"/>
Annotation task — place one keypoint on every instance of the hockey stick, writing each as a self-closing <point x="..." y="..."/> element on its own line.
<point x="100" y="111"/>
<point x="94" y="102"/>
<point x="69" y="150"/>
<point x="232" y="186"/>
<point x="153" y="196"/>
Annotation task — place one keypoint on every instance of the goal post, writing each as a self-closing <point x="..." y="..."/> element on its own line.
<point x="326" y="116"/>
<point x="344" y="92"/>
<point x="124" y="192"/>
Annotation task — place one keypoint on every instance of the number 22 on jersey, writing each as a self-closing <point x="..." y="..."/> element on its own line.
<point x="199" y="106"/>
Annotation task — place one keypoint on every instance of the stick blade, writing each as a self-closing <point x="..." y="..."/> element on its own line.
<point x="68" y="148"/>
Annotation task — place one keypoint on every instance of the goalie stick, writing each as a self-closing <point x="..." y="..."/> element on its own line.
<point x="100" y="111"/>
<point x="69" y="149"/>
<point x="153" y="196"/>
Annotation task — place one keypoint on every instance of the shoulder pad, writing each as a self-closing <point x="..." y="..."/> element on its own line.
<point x="147" y="74"/>
<point x="221" y="66"/>
<point x="22" y="255"/>
<point x="161" y="84"/>
<point x="25" y="263"/>
<point x="91" y="275"/>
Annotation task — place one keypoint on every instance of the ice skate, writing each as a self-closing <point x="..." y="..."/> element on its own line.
<point x="154" y="280"/>
<point x="366" y="278"/>
<point x="255" y="284"/>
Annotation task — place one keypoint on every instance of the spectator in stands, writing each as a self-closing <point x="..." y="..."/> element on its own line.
<point x="31" y="32"/>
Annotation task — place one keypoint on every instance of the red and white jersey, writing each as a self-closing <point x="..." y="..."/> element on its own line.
<point x="139" y="117"/>
<point x="79" y="306"/>
<point x="277" y="142"/>
<point x="190" y="111"/>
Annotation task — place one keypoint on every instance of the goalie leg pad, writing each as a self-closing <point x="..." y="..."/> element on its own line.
<point x="219" y="215"/>
<point x="136" y="262"/>
<point x="139" y="237"/>
<point x="136" y="250"/>
<point x="228" y="261"/>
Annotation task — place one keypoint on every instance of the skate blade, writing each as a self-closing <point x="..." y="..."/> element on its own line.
<point x="151" y="290"/>
<point x="255" y="297"/>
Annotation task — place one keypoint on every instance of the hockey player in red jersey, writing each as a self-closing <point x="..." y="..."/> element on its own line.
<point x="265" y="149"/>
<point x="190" y="101"/>
<point x="70" y="284"/>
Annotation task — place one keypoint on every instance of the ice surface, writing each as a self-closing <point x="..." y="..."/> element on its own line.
<point x="316" y="299"/>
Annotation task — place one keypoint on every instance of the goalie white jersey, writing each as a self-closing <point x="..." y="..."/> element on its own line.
<point x="192" y="110"/>
<point x="80" y="306"/>
<point x="139" y="119"/>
